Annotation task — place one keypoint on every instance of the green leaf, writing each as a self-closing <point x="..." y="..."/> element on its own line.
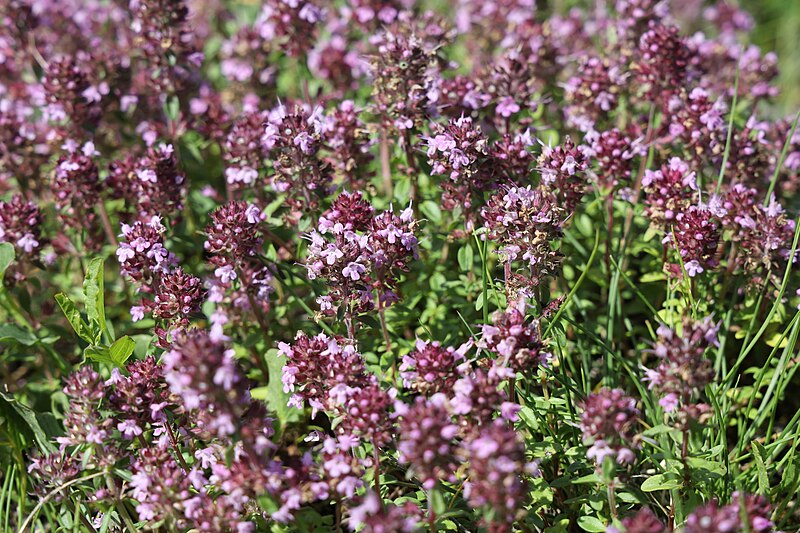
<point x="11" y="333"/>
<point x="431" y="210"/>
<point x="560" y="526"/>
<point x="706" y="468"/>
<point x="93" y="292"/>
<point x="172" y="108"/>
<point x="74" y="317"/>
<point x="650" y="277"/>
<point x="591" y="523"/>
<point x="99" y="354"/>
<point x="665" y="481"/>
<point x="761" y="469"/>
<point x="272" y="394"/>
<point x="466" y="258"/>
<point x="6" y="257"/>
<point x="439" y="505"/>
<point x="23" y="420"/>
<point x="121" y="350"/>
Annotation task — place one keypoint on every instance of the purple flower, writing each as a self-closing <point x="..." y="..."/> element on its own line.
<point x="431" y="368"/>
<point x="715" y="518"/>
<point x="683" y="371"/>
<point x="515" y="342"/>
<point x="507" y="107"/>
<point x="609" y="421"/>
<point x="426" y="440"/>
<point x="496" y="465"/>
<point x="20" y="225"/>
<point x="353" y="271"/>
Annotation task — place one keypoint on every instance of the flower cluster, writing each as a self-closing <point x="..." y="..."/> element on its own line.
<point x="360" y="255"/>
<point x="609" y="421"/>
<point x="315" y="366"/>
<point x="204" y="375"/>
<point x="644" y="521"/>
<point x="432" y="368"/>
<point x="496" y="461"/>
<point x="142" y="256"/>
<point x="139" y="397"/>
<point x="170" y="293"/>
<point x="76" y="185"/>
<point x="20" y="224"/>
<point x="158" y="185"/>
<point x="669" y="190"/>
<point x="244" y="149"/>
<point x="331" y="375"/>
<point x="682" y="371"/>
<point x="233" y="236"/>
<point x="349" y="142"/>
<point x="517" y="344"/>
<point x="426" y="440"/>
<point x="404" y="81"/>
<point x="613" y="153"/>
<point x="377" y="517"/>
<point x="290" y="23"/>
<point x="664" y="58"/>
<point x="242" y="282"/>
<point x="526" y="222"/>
<point x="178" y="295"/>
<point x="478" y="397"/>
<point x="715" y="518"/>
<point x="161" y="33"/>
<point x="562" y="171"/>
<point x="293" y="142"/>
<point x="695" y="235"/>
<point x="70" y="93"/>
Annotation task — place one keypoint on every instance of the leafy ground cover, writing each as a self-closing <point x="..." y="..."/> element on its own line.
<point x="386" y="266"/>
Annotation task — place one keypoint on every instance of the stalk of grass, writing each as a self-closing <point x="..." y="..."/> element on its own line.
<point x="52" y="494"/>
<point x="769" y="403"/>
<point x="728" y="138"/>
<point x="747" y="347"/>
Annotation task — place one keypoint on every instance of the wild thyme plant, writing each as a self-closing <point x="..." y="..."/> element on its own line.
<point x="396" y="266"/>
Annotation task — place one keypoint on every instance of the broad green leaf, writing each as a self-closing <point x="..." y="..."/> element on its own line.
<point x="707" y="466"/>
<point x="590" y="523"/>
<point x="74" y="317"/>
<point x="272" y="394"/>
<point x="466" y="258"/>
<point x="121" y="350"/>
<point x="560" y="526"/>
<point x="6" y="257"/>
<point x="439" y="505"/>
<point x="12" y="333"/>
<point x="93" y="292"/>
<point x="650" y="277"/>
<point x="99" y="354"/>
<point x="431" y="210"/>
<point x="479" y="302"/>
<point x="23" y="420"/>
<point x="666" y="481"/>
<point x="172" y="108"/>
<point x="592" y="479"/>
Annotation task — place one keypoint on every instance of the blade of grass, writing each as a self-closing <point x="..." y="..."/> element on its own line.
<point x="730" y="135"/>
<point x="52" y="494"/>
<point x="577" y="285"/>
<point x="746" y="349"/>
